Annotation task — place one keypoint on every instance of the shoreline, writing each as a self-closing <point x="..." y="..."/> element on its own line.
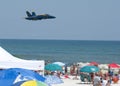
<point x="103" y="67"/>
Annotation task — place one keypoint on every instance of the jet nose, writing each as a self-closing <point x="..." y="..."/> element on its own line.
<point x="52" y="17"/>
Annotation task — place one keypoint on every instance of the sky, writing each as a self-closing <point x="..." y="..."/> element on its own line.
<point x="75" y="19"/>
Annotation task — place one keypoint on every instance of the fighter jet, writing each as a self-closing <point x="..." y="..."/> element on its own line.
<point x="33" y="16"/>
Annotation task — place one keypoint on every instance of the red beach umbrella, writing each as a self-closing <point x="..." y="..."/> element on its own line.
<point x="113" y="65"/>
<point x="94" y="63"/>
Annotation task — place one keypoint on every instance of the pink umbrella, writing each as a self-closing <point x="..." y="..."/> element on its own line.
<point x="113" y="65"/>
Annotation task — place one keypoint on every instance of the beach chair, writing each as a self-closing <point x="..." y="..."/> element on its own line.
<point x="89" y="80"/>
<point x="85" y="79"/>
<point x="82" y="77"/>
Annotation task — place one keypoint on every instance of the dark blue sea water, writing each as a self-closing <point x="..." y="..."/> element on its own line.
<point x="68" y="51"/>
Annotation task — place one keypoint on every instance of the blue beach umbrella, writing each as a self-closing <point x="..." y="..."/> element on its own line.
<point x="59" y="63"/>
<point x="89" y="69"/>
<point x="10" y="76"/>
<point x="53" y="67"/>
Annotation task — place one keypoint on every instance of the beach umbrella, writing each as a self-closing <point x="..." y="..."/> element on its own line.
<point x="113" y="65"/>
<point x="59" y="63"/>
<point x="53" y="67"/>
<point x="12" y="75"/>
<point x="30" y="83"/>
<point x="93" y="63"/>
<point x="103" y="66"/>
<point x="52" y="79"/>
<point x="89" y="69"/>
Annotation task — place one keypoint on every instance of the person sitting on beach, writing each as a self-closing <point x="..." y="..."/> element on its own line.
<point x="103" y="81"/>
<point x="115" y="78"/>
<point x="59" y="74"/>
<point x="66" y="76"/>
<point x="108" y="83"/>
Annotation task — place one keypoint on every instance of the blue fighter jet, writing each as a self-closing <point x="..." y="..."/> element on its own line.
<point x="33" y="16"/>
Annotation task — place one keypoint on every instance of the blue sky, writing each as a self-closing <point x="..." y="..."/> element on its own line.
<point x="75" y="19"/>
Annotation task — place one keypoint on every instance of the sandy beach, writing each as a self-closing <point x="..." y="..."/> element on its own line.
<point x="71" y="82"/>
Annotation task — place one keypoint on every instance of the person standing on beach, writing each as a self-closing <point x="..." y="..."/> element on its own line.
<point x="75" y="72"/>
<point x="96" y="80"/>
<point x="78" y="69"/>
<point x="119" y="74"/>
<point x="66" y="69"/>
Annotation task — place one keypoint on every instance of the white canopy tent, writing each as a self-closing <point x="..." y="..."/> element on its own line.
<point x="9" y="61"/>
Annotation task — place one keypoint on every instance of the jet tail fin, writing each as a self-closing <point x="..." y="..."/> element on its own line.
<point x="33" y="14"/>
<point x="28" y="14"/>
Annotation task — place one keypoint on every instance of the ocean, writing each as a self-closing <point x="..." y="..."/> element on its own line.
<point x="68" y="51"/>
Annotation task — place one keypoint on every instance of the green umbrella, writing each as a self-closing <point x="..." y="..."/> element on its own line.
<point x="89" y="69"/>
<point x="53" y="67"/>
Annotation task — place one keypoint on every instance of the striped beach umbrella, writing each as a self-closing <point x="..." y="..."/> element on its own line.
<point x="30" y="83"/>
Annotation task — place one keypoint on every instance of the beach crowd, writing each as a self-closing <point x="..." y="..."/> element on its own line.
<point x="94" y="78"/>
